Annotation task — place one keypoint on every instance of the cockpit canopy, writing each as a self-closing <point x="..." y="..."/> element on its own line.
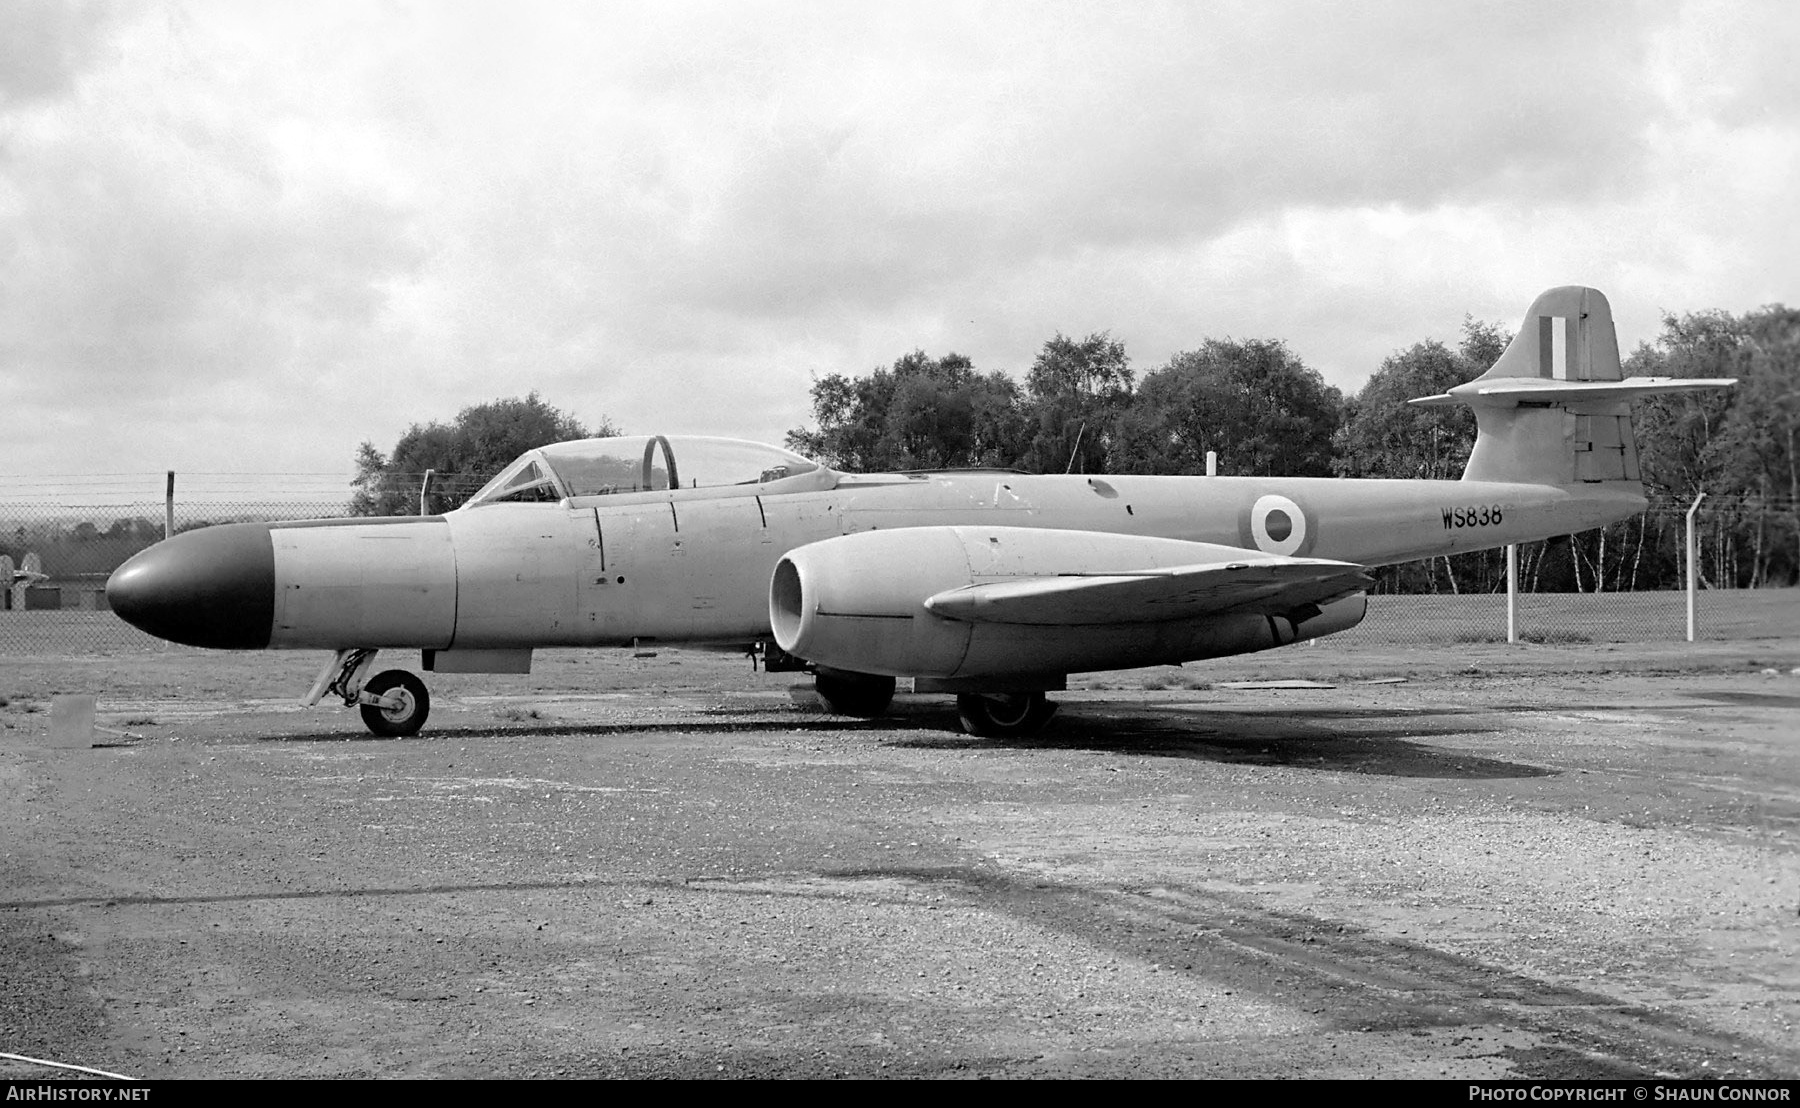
<point x="639" y="463"/>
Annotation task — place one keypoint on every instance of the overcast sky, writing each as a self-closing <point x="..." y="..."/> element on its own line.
<point x="246" y="237"/>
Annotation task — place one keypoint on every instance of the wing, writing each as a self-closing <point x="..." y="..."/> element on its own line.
<point x="1260" y="583"/>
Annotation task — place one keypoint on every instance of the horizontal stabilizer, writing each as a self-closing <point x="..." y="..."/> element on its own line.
<point x="1259" y="583"/>
<point x="1510" y="392"/>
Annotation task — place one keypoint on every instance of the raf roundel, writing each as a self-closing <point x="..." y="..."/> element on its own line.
<point x="1277" y="524"/>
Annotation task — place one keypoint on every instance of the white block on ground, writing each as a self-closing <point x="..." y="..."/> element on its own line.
<point x="72" y="721"/>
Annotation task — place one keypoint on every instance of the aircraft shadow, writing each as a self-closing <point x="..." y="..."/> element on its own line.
<point x="1749" y="699"/>
<point x="1306" y="739"/>
<point x="551" y="730"/>
<point x="1297" y="739"/>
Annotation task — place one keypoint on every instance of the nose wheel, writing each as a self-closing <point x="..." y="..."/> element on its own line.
<point x="394" y="703"/>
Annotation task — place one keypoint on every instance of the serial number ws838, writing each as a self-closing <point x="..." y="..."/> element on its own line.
<point x="1477" y="515"/>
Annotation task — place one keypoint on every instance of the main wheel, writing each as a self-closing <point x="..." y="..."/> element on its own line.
<point x="408" y="716"/>
<point x="1004" y="715"/>
<point x="854" y="694"/>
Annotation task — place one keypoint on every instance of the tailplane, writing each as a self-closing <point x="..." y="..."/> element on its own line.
<point x="1555" y="409"/>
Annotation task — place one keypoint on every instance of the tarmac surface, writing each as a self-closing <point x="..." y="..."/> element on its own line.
<point x="1454" y="862"/>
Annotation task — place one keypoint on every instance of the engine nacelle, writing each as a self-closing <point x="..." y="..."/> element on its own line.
<point x="857" y="602"/>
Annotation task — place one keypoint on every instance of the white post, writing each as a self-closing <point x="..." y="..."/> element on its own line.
<point x="425" y="491"/>
<point x="1693" y="567"/>
<point x="1512" y="592"/>
<point x="1212" y="463"/>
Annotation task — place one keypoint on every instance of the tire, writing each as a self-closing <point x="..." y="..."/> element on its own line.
<point x="404" y="720"/>
<point x="1004" y="715"/>
<point x="854" y="694"/>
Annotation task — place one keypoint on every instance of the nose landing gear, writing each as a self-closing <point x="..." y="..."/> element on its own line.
<point x="394" y="703"/>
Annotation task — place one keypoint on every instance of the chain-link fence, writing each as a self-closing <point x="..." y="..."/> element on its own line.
<point x="1620" y="583"/>
<point x="56" y="558"/>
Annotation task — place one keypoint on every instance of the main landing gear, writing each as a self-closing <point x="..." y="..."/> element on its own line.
<point x="853" y="694"/>
<point x="1004" y="715"/>
<point x="989" y="715"/>
<point x="394" y="703"/>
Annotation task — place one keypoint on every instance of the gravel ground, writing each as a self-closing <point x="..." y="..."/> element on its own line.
<point x="1513" y="861"/>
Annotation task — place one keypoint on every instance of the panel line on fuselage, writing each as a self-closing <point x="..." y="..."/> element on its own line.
<point x="599" y="538"/>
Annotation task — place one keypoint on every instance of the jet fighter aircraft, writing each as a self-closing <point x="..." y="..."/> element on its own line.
<point x="990" y="585"/>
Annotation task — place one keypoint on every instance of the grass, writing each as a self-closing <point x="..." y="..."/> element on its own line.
<point x="1541" y="638"/>
<point x="1612" y="617"/>
<point x="1555" y="638"/>
<point x="1174" y="678"/>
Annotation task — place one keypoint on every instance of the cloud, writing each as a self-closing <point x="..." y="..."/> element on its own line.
<point x="272" y="232"/>
<point x="169" y="260"/>
<point x="781" y="173"/>
<point x="44" y="44"/>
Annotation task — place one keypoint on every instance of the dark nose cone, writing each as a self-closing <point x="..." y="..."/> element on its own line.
<point x="214" y="587"/>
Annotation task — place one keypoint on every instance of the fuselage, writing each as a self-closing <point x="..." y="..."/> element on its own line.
<point x="694" y="564"/>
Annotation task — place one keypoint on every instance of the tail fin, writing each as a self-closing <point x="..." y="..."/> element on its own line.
<point x="1554" y="409"/>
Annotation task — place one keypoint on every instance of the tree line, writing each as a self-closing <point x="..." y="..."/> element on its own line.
<point x="1080" y="407"/>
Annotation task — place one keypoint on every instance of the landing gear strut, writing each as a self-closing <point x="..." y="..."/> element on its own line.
<point x="394" y="703"/>
<point x="1004" y="715"/>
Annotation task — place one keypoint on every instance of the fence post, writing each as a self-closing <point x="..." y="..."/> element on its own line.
<point x="1693" y="568"/>
<point x="425" y="490"/>
<point x="1512" y="592"/>
<point x="169" y="507"/>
